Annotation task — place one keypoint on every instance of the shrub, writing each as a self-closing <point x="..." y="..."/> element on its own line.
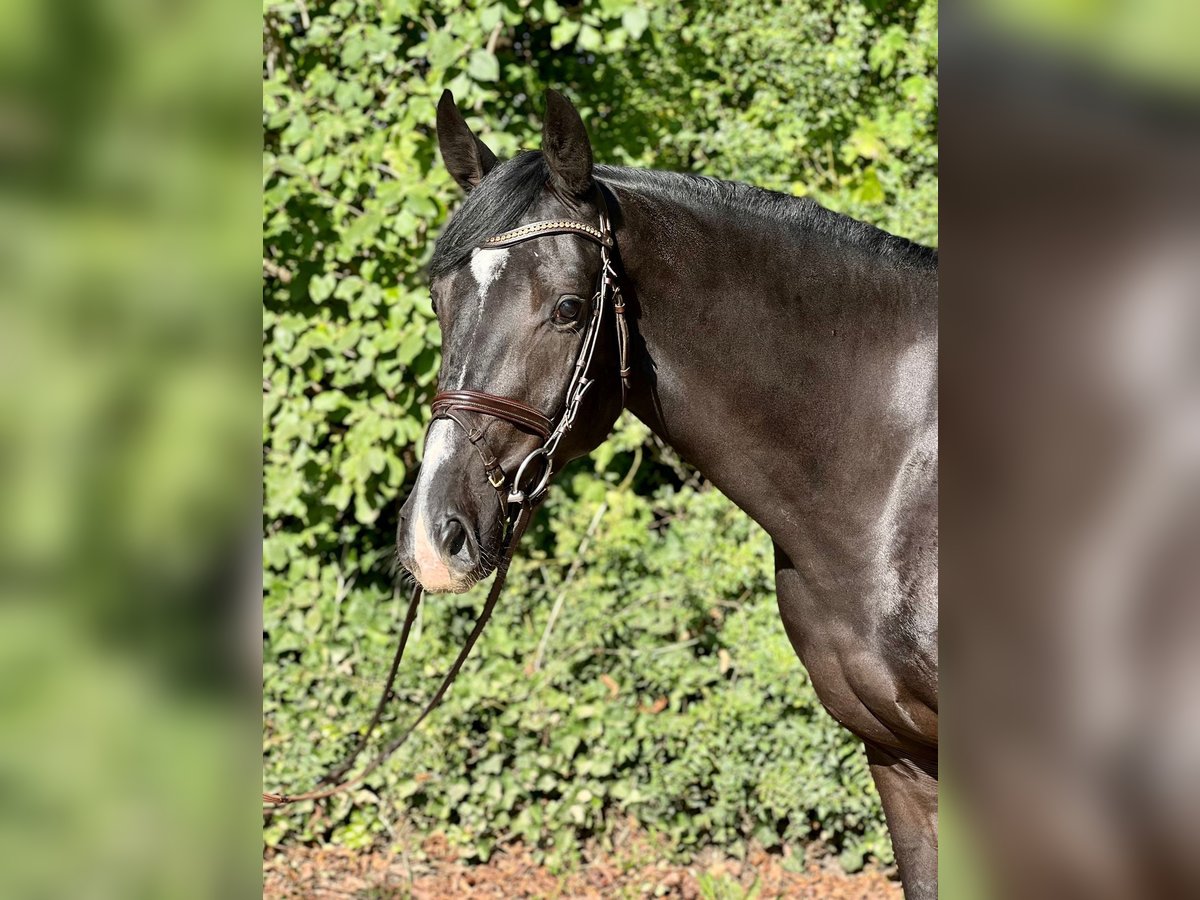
<point x="668" y="692"/>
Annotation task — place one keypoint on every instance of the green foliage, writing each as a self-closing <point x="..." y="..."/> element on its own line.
<point x="720" y="887"/>
<point x="668" y="692"/>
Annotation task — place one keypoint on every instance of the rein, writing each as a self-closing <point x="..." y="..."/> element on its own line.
<point x="450" y="405"/>
<point x="524" y="514"/>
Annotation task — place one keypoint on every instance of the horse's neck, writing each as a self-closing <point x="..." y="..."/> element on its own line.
<point x="798" y="376"/>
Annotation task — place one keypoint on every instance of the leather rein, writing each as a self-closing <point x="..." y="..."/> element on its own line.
<point x="517" y="503"/>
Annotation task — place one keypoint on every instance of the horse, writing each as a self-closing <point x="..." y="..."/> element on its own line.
<point x="787" y="352"/>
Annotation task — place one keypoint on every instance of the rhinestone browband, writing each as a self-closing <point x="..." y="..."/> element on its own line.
<point x="552" y="226"/>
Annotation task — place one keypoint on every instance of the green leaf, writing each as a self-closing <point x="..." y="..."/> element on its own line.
<point x="795" y="861"/>
<point x="483" y="66"/>
<point x="489" y="17"/>
<point x="851" y="859"/>
<point x="563" y="33"/>
<point x="321" y="287"/>
<point x="290" y="165"/>
<point x="635" y="19"/>
<point x="590" y="38"/>
<point x="869" y="189"/>
<point x="413" y="343"/>
<point x="442" y="50"/>
<point x="353" y="50"/>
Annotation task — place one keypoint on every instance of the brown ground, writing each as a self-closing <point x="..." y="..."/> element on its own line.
<point x="437" y="874"/>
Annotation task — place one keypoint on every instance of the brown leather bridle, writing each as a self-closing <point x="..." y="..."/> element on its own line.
<point x="451" y="405"/>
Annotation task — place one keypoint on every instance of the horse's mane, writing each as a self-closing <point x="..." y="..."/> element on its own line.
<point x="504" y="196"/>
<point x="496" y="205"/>
<point x="801" y="213"/>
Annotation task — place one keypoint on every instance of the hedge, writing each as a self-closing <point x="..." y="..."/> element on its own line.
<point x="667" y="693"/>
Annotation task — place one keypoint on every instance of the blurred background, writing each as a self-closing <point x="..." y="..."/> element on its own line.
<point x="128" y="459"/>
<point x="647" y="692"/>
<point x="135" y="390"/>
<point x="1070" y="411"/>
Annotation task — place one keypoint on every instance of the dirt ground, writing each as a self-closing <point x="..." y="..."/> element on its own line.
<point x="437" y="874"/>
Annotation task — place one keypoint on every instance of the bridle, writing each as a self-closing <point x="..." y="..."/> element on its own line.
<point x="450" y="404"/>
<point x="516" y="503"/>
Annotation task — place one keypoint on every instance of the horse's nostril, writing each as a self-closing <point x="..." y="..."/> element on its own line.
<point x="454" y="536"/>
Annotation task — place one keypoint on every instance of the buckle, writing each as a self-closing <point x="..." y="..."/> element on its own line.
<point x="496" y="479"/>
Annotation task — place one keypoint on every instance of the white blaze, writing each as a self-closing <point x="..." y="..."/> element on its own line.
<point x="431" y="568"/>
<point x="432" y="571"/>
<point x="486" y="266"/>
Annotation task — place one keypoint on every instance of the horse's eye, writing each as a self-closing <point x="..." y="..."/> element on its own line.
<point x="568" y="308"/>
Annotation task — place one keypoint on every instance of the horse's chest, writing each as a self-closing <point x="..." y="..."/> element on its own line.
<point x="874" y="673"/>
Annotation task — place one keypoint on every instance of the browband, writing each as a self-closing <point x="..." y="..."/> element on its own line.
<point x="550" y="226"/>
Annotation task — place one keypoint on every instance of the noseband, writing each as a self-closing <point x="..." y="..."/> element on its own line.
<point x="450" y="404"/>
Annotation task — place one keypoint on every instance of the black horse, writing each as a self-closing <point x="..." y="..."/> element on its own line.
<point x="787" y="352"/>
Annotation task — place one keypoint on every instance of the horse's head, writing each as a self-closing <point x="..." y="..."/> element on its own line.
<point x="513" y="319"/>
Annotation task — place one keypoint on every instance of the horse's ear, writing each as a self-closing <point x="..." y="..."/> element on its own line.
<point x="566" y="146"/>
<point x="467" y="157"/>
